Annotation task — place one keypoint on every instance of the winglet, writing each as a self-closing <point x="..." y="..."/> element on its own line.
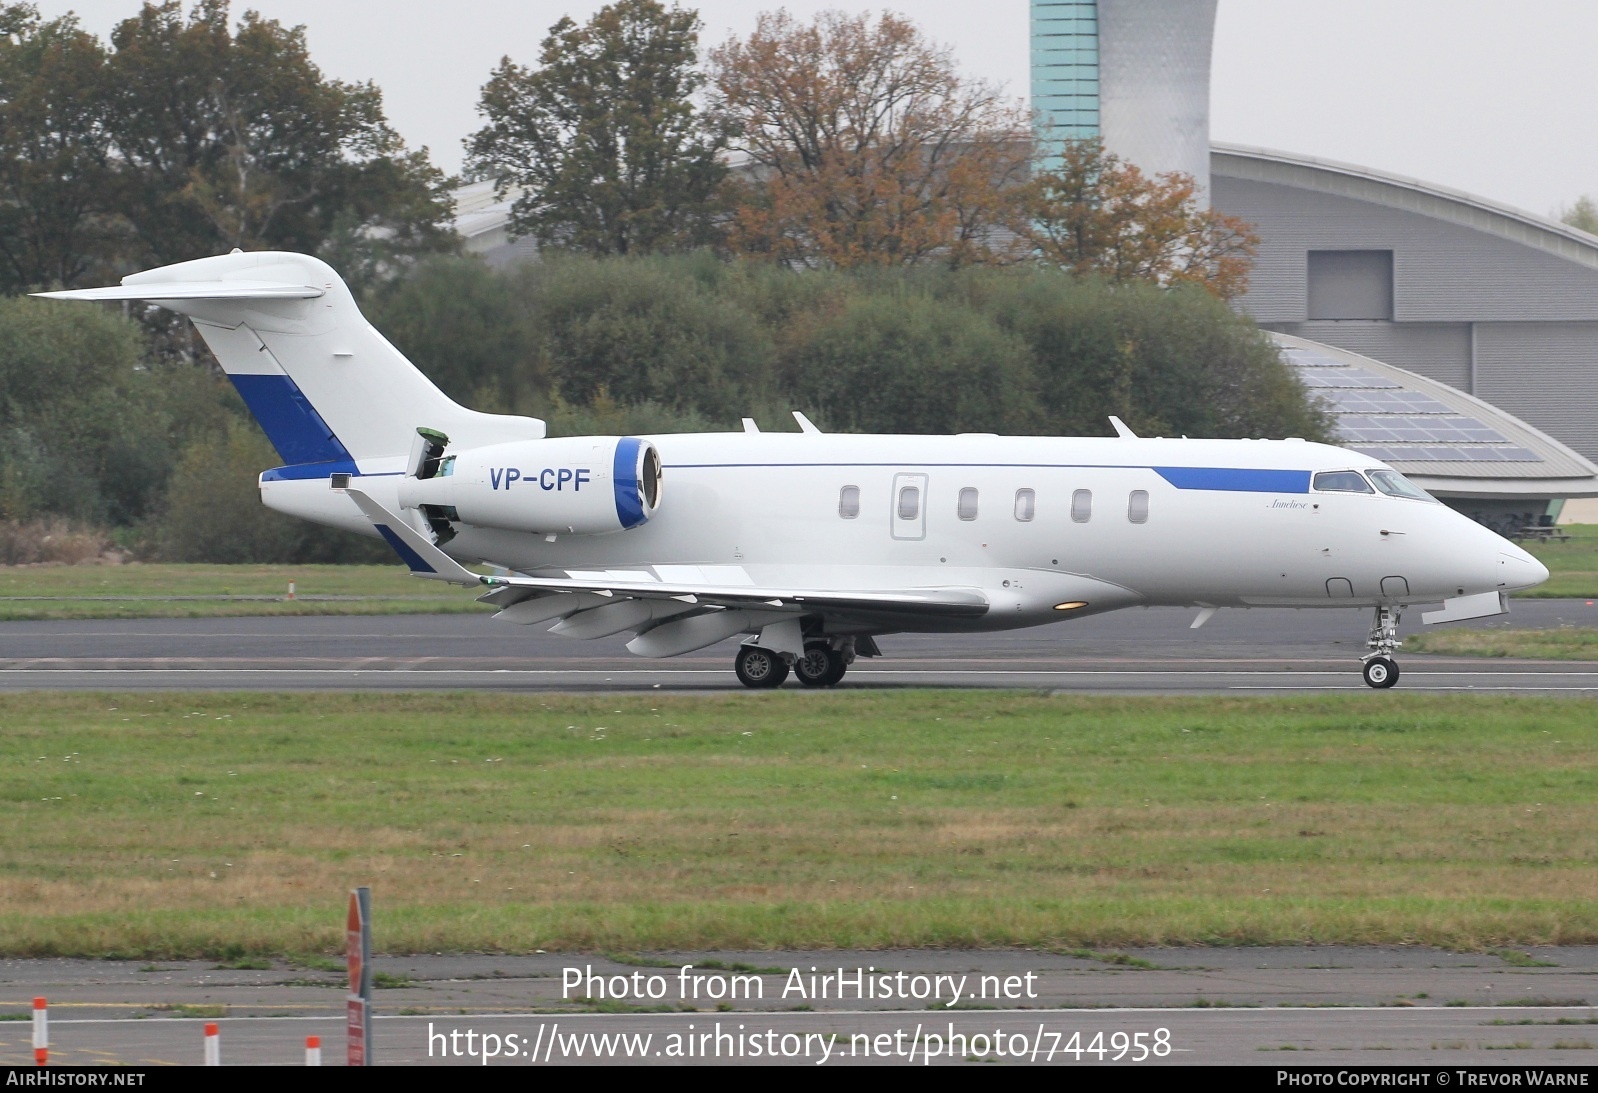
<point x="805" y="424"/>
<point x="1122" y="430"/>
<point x="414" y="549"/>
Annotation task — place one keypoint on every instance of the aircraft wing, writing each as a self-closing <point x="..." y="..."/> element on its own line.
<point x="425" y="559"/>
<point x="947" y="602"/>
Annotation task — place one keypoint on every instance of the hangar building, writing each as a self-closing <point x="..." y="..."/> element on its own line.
<point x="1474" y="326"/>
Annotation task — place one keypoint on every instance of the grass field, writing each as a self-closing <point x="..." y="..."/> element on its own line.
<point x="227" y="825"/>
<point x="1573" y="566"/>
<point x="1565" y="643"/>
<point x="198" y="591"/>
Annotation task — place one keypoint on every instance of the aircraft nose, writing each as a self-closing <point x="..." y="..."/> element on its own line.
<point x="1520" y="570"/>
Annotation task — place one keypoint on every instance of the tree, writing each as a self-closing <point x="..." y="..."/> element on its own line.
<point x="603" y="138"/>
<point x="234" y="138"/>
<point x="55" y="157"/>
<point x="1097" y="214"/>
<point x="866" y="146"/>
<point x="1583" y="214"/>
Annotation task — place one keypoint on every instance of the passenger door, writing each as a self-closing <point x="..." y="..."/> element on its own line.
<point x="907" y="517"/>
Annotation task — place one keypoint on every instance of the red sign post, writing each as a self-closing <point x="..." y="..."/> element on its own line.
<point x="358" y="957"/>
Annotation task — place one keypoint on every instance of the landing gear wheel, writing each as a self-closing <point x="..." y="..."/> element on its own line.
<point x="1381" y="672"/>
<point x="820" y="666"/>
<point x="758" y="668"/>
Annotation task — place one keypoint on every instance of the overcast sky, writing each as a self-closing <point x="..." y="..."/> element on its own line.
<point x="1478" y="95"/>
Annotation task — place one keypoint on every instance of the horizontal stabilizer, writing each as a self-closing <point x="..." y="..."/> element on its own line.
<point x="192" y="290"/>
<point x="414" y="548"/>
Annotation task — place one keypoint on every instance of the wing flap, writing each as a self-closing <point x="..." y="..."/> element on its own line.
<point x="949" y="602"/>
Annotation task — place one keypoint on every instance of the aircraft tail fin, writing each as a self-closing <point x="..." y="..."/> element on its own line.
<point x="326" y="387"/>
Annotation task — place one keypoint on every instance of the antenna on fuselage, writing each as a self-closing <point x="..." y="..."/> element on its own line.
<point x="805" y="424"/>
<point x="1121" y="429"/>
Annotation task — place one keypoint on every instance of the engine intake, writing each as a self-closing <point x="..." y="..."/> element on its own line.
<point x="581" y="485"/>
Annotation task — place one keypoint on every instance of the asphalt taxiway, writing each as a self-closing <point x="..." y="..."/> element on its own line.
<point x="1330" y="1005"/>
<point x="1137" y="651"/>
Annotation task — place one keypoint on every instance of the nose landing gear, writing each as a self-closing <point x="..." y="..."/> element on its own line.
<point x="1381" y="670"/>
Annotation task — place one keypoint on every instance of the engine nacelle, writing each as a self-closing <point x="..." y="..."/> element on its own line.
<point x="581" y="485"/>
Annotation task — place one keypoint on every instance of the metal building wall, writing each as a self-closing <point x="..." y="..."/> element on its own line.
<point x="1438" y="351"/>
<point x="1546" y="373"/>
<point x="1533" y="315"/>
<point x="1154" y="83"/>
<point x="1442" y="272"/>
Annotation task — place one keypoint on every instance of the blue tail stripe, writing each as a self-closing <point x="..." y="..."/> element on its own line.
<point x="289" y="420"/>
<point x="299" y="472"/>
<point x="407" y="555"/>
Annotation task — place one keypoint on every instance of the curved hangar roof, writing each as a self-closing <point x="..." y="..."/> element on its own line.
<point x="1449" y="443"/>
<point x="1409" y="194"/>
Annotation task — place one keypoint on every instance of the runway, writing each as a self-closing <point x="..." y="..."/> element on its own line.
<point x="1140" y="651"/>
<point x="1276" y="1007"/>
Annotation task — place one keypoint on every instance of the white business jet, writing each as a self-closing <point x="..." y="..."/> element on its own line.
<point x="809" y="544"/>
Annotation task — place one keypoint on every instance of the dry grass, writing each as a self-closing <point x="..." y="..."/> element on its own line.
<point x="1565" y="643"/>
<point x="183" y="825"/>
<point x="203" y="591"/>
<point x="53" y="540"/>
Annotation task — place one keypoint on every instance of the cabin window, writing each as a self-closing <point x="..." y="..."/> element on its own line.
<point x="1342" y="482"/>
<point x="1026" y="503"/>
<point x="1137" y="507"/>
<point x="909" y="502"/>
<point x="1082" y="506"/>
<point x="967" y="508"/>
<point x="849" y="502"/>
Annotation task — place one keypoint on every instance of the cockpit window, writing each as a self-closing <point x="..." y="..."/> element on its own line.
<point x="446" y="467"/>
<point x="1342" y="482"/>
<point x="1394" y="484"/>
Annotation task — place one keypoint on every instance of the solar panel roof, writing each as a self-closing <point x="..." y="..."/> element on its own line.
<point x="1376" y="416"/>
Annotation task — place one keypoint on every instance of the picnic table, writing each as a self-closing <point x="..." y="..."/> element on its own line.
<point x="1541" y="534"/>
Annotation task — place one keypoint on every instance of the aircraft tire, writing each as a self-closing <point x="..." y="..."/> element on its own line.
<point x="819" y="667"/>
<point x="759" y="668"/>
<point x="836" y="671"/>
<point x="1381" y="672"/>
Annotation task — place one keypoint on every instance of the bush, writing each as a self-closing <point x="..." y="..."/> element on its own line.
<point x="52" y="539"/>
<point x="214" y="512"/>
<point x="907" y="363"/>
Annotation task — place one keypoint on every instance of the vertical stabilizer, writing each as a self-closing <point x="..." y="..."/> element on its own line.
<point x="326" y="387"/>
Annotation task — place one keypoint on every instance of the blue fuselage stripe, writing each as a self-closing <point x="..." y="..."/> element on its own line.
<point x="1235" y="479"/>
<point x="1228" y="479"/>
<point x="289" y="420"/>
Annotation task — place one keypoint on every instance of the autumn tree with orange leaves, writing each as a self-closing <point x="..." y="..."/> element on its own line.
<point x="1096" y="214"/>
<point x="865" y="147"/>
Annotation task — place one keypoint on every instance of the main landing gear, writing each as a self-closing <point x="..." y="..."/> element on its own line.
<point x="1381" y="670"/>
<point x="820" y="666"/>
